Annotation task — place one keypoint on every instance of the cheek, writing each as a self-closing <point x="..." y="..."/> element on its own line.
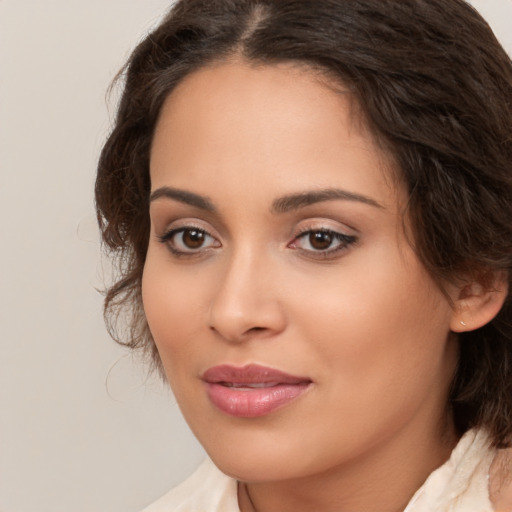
<point x="171" y="305"/>
<point x="382" y="319"/>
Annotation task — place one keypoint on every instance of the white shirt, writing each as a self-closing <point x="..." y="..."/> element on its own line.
<point x="459" y="485"/>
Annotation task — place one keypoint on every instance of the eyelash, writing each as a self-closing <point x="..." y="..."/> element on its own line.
<point x="344" y="241"/>
<point x="167" y="239"/>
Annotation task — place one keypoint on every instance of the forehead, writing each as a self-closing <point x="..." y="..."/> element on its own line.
<point x="274" y="93"/>
<point x="263" y="121"/>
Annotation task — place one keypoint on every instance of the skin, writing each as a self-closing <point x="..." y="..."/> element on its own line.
<point x="362" y="319"/>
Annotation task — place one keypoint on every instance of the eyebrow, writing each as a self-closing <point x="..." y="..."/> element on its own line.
<point x="281" y="205"/>
<point x="182" y="196"/>
<point x="300" y="200"/>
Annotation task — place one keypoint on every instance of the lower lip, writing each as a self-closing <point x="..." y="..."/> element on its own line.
<point x="253" y="402"/>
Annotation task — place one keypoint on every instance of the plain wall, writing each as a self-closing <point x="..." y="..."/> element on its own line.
<point x="81" y="428"/>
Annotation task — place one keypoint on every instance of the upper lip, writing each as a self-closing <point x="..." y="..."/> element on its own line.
<point x="250" y="374"/>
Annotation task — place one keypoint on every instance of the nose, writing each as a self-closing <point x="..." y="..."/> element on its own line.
<point x="246" y="301"/>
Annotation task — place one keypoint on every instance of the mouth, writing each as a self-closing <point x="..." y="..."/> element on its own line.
<point x="252" y="391"/>
<point x="246" y="385"/>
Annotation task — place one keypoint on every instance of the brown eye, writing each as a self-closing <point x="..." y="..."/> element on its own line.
<point x="324" y="243"/>
<point x="193" y="238"/>
<point x="189" y="241"/>
<point x="320" y="240"/>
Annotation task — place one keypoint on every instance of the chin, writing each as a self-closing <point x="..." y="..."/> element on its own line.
<point x="256" y="469"/>
<point x="254" y="453"/>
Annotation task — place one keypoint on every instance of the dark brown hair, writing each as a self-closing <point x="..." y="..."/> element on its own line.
<point x="432" y="82"/>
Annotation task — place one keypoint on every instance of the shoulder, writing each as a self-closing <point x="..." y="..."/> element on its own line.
<point x="500" y="481"/>
<point x="206" y="490"/>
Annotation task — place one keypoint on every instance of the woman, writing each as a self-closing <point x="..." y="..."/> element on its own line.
<point x="312" y="203"/>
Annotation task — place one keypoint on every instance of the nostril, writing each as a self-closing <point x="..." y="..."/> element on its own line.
<point x="256" y="329"/>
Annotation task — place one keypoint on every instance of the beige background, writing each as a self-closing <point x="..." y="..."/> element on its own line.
<point x="81" y="428"/>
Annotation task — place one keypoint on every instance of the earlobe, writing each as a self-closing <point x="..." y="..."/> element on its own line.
<point x="477" y="304"/>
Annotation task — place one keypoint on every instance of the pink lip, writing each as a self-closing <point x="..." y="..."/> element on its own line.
<point x="251" y="391"/>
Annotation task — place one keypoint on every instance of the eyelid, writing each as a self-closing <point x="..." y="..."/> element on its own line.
<point x="186" y="223"/>
<point x="325" y="224"/>
<point x="164" y="214"/>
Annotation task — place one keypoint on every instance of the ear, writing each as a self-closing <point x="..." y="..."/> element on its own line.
<point x="478" y="301"/>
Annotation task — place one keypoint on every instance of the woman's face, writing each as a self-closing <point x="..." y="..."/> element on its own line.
<point x="297" y="328"/>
